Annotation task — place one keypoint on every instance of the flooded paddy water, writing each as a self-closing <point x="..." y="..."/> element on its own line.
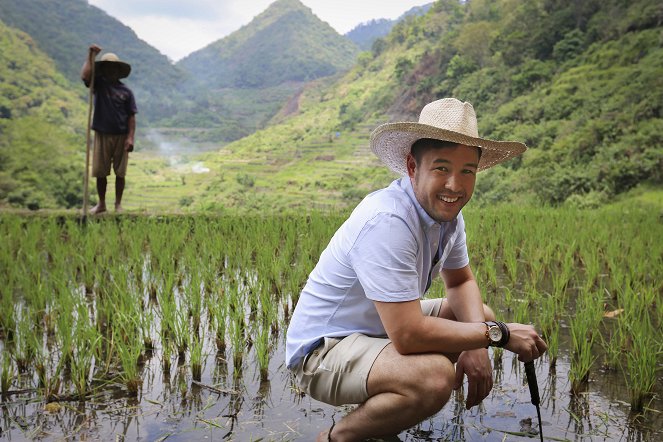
<point x="173" y="329"/>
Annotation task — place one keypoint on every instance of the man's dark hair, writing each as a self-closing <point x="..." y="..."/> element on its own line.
<point x="423" y="144"/>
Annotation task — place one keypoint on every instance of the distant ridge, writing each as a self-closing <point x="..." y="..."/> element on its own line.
<point x="365" y="34"/>
<point x="243" y="80"/>
<point x="285" y="43"/>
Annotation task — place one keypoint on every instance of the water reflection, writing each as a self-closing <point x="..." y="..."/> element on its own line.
<point x="232" y="403"/>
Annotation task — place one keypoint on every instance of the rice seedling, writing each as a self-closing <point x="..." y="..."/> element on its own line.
<point x="48" y="369"/>
<point x="584" y="326"/>
<point x="7" y="374"/>
<point x="237" y="336"/>
<point x="590" y="256"/>
<point x="25" y="342"/>
<point x="218" y="312"/>
<point x="85" y="344"/>
<point x="261" y="343"/>
<point x="510" y="259"/>
<point x="196" y="357"/>
<point x="181" y="334"/>
<point x="642" y="361"/>
<point x="8" y="316"/>
<point x="129" y="347"/>
<point x="194" y="300"/>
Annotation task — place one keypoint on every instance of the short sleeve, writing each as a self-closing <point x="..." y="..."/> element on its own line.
<point x="457" y="257"/>
<point x="384" y="257"/>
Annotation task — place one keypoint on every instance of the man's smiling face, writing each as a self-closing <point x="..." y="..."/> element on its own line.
<point x="443" y="179"/>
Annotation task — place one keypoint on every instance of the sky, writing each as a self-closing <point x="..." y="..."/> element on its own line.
<point x="179" y="27"/>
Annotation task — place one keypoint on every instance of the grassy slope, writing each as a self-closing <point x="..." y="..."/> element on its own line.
<point x="42" y="147"/>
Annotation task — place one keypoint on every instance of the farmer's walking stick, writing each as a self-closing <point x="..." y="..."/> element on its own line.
<point x="530" y="372"/>
<point x="86" y="179"/>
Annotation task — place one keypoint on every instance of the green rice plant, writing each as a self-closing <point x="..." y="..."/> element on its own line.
<point x="25" y="342"/>
<point x="237" y="337"/>
<point x="85" y="343"/>
<point x="521" y="312"/>
<point x="584" y="325"/>
<point x="508" y="298"/>
<point x="217" y="308"/>
<point x="489" y="272"/>
<point x="145" y="321"/>
<point x="128" y="346"/>
<point x="552" y="340"/>
<point x="510" y="258"/>
<point x="7" y="374"/>
<point x="167" y="310"/>
<point x="48" y="369"/>
<point x="548" y="318"/>
<point x="590" y="256"/>
<point x="613" y="345"/>
<point x="196" y="357"/>
<point x="194" y="299"/>
<point x="8" y="316"/>
<point x="566" y="267"/>
<point x="642" y="360"/>
<point x="166" y="356"/>
<point x="262" y="350"/>
<point x="181" y="333"/>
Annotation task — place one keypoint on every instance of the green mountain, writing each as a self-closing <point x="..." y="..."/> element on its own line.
<point x="581" y="82"/>
<point x="42" y="128"/>
<point x="285" y="43"/>
<point x="244" y="79"/>
<point x="64" y="29"/>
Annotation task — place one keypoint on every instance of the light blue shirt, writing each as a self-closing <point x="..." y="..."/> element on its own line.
<point x="383" y="252"/>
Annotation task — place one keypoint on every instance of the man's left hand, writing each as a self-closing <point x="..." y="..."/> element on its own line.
<point x="476" y="365"/>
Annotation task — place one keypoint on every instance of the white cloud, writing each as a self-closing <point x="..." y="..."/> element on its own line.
<point x="179" y="27"/>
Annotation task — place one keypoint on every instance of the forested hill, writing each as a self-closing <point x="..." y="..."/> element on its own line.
<point x="285" y="43"/>
<point x="365" y="34"/>
<point x="243" y="80"/>
<point x="42" y="128"/>
<point x="64" y="29"/>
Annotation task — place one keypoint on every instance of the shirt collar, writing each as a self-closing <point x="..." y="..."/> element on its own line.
<point x="430" y="223"/>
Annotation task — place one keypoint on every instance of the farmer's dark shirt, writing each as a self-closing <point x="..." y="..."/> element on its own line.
<point x="114" y="103"/>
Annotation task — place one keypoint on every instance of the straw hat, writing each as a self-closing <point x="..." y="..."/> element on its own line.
<point x="447" y="119"/>
<point x="109" y="57"/>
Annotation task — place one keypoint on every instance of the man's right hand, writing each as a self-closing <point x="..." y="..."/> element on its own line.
<point x="94" y="50"/>
<point x="525" y="342"/>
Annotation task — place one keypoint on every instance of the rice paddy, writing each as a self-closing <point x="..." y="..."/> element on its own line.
<point x="173" y="327"/>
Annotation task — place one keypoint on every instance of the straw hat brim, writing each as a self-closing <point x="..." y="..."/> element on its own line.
<point x="391" y="142"/>
<point x="125" y="68"/>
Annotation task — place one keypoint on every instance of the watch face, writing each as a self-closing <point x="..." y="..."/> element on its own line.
<point x="495" y="334"/>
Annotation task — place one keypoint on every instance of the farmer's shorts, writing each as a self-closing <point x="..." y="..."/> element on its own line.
<point x="336" y="372"/>
<point x="109" y="150"/>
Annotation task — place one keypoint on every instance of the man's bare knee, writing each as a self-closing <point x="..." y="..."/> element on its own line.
<point x="434" y="385"/>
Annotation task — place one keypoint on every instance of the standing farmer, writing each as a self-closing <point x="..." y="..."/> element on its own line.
<point x="114" y="123"/>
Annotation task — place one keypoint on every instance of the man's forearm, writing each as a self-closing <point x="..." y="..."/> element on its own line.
<point x="132" y="127"/>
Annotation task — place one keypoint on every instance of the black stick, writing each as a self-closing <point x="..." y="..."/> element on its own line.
<point x="530" y="372"/>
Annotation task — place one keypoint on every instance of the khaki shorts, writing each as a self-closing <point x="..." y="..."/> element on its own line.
<point x="109" y="150"/>
<point x="336" y="372"/>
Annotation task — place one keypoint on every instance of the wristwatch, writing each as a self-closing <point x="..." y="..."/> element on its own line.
<point x="493" y="333"/>
<point x="497" y="334"/>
